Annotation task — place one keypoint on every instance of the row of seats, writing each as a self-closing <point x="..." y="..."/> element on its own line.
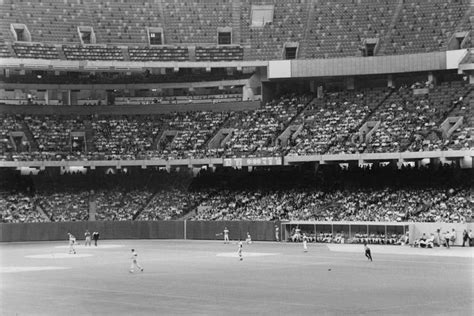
<point x="36" y="51"/>
<point x="323" y="29"/>
<point x="226" y="53"/>
<point x="92" y="52"/>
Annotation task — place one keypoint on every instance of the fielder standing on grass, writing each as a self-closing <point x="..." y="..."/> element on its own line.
<point x="72" y="243"/>
<point x="305" y="243"/>
<point x="135" y="262"/>
<point x="239" y="252"/>
<point x="95" y="235"/>
<point x="367" y="251"/>
<point x="249" y="239"/>
<point x="87" y="235"/>
<point x="226" y="235"/>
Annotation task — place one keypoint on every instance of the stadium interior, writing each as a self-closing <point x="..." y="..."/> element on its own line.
<point x="236" y="110"/>
<point x="257" y="157"/>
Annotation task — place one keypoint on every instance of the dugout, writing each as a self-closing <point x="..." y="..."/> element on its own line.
<point x="349" y="230"/>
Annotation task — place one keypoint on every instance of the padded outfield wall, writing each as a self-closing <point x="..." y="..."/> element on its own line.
<point x="209" y="230"/>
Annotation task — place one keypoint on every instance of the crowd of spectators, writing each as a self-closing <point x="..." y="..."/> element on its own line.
<point x="193" y="130"/>
<point x="255" y="133"/>
<point x="382" y="194"/>
<point x="18" y="208"/>
<point x="125" y="137"/>
<point x="327" y="125"/>
<point x="338" y="123"/>
<point x="64" y="206"/>
<point x="169" y="205"/>
<point x="383" y="205"/>
<point x="118" y="205"/>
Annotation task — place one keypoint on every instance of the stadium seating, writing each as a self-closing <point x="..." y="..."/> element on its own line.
<point x="411" y="122"/>
<point x="267" y="41"/>
<point x="37" y="51"/>
<point x="425" y="26"/>
<point x="53" y="134"/>
<point x="5" y="51"/>
<point x="338" y="28"/>
<point x="192" y="131"/>
<point x="226" y="53"/>
<point x="92" y="53"/>
<point x="329" y="125"/>
<point x="62" y="206"/>
<point x="117" y="205"/>
<point x="402" y="120"/>
<point x="254" y="134"/>
<point x="388" y="205"/>
<point x="195" y="22"/>
<point x="158" y="54"/>
<point x="123" y="21"/>
<point x="320" y="29"/>
<point x="169" y="205"/>
<point x="18" y="208"/>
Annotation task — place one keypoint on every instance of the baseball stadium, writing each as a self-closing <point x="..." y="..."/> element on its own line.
<point x="236" y="157"/>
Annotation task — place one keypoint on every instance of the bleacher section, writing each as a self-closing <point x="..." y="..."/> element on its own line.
<point x="425" y="26"/>
<point x="50" y="20"/>
<point x="195" y="21"/>
<point x="320" y="29"/>
<point x="123" y="21"/>
<point x="338" y="28"/>
<point x="289" y="23"/>
<point x="373" y="120"/>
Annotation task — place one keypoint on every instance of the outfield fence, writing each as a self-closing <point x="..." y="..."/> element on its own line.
<point x="212" y="230"/>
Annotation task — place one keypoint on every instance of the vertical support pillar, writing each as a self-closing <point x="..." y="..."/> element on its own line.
<point x="390" y="83"/>
<point x="350" y="83"/>
<point x="184" y="229"/>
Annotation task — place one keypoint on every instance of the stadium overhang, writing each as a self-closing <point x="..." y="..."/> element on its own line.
<point x="118" y="66"/>
<point x="465" y="156"/>
<point x="356" y="66"/>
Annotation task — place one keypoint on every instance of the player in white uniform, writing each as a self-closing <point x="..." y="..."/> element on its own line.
<point x="239" y="252"/>
<point x="72" y="243"/>
<point x="305" y="243"/>
<point x="226" y="235"/>
<point x="134" y="262"/>
<point x="249" y="239"/>
<point x="296" y="237"/>
<point x="87" y="236"/>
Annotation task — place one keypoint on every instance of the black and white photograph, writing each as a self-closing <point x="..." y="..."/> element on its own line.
<point x="236" y="157"/>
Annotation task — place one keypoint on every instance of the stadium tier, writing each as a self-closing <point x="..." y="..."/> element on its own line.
<point x="384" y="195"/>
<point x="222" y="30"/>
<point x="376" y="120"/>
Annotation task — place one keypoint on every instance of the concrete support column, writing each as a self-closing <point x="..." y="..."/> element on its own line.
<point x="390" y="83"/>
<point x="350" y="83"/>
